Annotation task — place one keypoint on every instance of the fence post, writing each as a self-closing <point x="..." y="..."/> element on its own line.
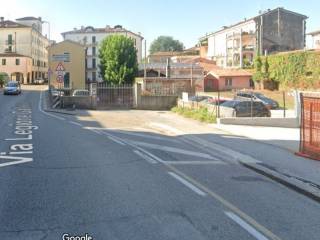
<point x="302" y="134"/>
<point x="311" y="124"/>
<point x="251" y="105"/>
<point x="284" y="104"/>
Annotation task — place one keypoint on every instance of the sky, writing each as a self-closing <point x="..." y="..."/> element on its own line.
<point x="185" y="20"/>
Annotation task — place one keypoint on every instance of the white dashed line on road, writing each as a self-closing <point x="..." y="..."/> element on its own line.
<point x="187" y="184"/>
<point x="75" y="123"/>
<point x="116" y="140"/>
<point x="195" y="162"/>
<point x="145" y="157"/>
<point x="252" y="231"/>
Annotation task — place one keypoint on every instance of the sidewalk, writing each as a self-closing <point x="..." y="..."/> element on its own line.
<point x="277" y="162"/>
<point x="287" y="138"/>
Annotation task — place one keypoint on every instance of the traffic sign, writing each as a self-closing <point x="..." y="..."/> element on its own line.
<point x="60" y="79"/>
<point x="60" y="67"/>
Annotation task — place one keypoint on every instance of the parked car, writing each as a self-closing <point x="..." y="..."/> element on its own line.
<point x="57" y="93"/>
<point x="80" y="93"/>
<point x="214" y="101"/>
<point x="198" y="98"/>
<point x="270" y="103"/>
<point x="12" y="88"/>
<point x="238" y="108"/>
<point x="38" y="81"/>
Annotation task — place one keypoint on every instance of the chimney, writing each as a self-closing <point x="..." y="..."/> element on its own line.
<point x="1" y="19"/>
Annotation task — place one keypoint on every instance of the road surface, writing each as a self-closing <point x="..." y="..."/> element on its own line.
<point x="63" y="176"/>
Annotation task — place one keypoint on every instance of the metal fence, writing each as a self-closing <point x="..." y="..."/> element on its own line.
<point x="114" y="96"/>
<point x="310" y="127"/>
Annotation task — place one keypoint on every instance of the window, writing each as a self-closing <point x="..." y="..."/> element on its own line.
<point x="10" y="39"/>
<point x="17" y="61"/>
<point x="93" y="39"/>
<point x="10" y="49"/>
<point x="93" y="63"/>
<point x="4" y="61"/>
<point x="94" y="76"/>
<point x="93" y="51"/>
<point x="228" y="82"/>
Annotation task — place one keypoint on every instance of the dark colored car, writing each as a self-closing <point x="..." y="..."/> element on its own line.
<point x="270" y="103"/>
<point x="238" y="108"/>
<point x="198" y="98"/>
<point x="12" y="88"/>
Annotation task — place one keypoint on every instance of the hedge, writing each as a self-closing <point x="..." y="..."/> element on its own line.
<point x="292" y="70"/>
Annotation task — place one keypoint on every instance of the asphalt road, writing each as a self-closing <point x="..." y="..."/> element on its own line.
<point x="62" y="175"/>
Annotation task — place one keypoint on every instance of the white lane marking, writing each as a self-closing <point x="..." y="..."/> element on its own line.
<point x="172" y="149"/>
<point x="95" y="131"/>
<point x="145" y="157"/>
<point x="166" y="127"/>
<point x="75" y="123"/>
<point x="187" y="184"/>
<point x="23" y="160"/>
<point x="116" y="140"/>
<point x="246" y="226"/>
<point x="236" y="157"/>
<point x="143" y="135"/>
<point x="195" y="162"/>
<point x="48" y="114"/>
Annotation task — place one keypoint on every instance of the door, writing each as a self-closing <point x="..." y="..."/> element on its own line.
<point x="66" y="80"/>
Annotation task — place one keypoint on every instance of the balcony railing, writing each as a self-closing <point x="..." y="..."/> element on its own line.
<point x="9" y="42"/>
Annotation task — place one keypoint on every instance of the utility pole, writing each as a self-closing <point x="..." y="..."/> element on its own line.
<point x="145" y="64"/>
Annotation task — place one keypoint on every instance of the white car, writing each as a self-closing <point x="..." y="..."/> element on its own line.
<point x="39" y="81"/>
<point x="80" y="93"/>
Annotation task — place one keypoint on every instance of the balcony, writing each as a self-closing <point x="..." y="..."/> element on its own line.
<point x="9" y="50"/>
<point x="10" y="42"/>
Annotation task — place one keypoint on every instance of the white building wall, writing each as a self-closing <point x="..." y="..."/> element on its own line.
<point x="217" y="42"/>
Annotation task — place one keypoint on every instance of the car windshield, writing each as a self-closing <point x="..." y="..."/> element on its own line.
<point x="11" y="84"/>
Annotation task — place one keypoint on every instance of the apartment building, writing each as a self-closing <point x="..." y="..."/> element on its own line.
<point x="271" y="31"/>
<point x="91" y="37"/>
<point x="23" y="49"/>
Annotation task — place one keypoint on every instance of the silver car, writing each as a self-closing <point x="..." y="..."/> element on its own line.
<point x="12" y="88"/>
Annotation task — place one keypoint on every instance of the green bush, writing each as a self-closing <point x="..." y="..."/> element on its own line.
<point x="202" y="114"/>
<point x="292" y="70"/>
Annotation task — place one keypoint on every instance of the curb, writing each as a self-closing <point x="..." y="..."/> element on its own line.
<point x="61" y="112"/>
<point x="294" y="184"/>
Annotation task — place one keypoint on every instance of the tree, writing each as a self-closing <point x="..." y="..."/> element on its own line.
<point x="166" y="44"/>
<point x="118" y="59"/>
<point x="2" y="79"/>
<point x="258" y="75"/>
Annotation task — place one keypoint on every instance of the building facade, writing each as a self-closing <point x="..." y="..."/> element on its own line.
<point x="271" y="31"/>
<point x="315" y="40"/>
<point x="91" y="37"/>
<point x="23" y="49"/>
<point x="67" y="64"/>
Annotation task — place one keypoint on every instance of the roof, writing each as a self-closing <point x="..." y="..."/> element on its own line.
<point x="253" y="18"/>
<point x="12" y="55"/>
<point x="314" y="33"/>
<point x="12" y="24"/>
<point x="67" y="41"/>
<point x="28" y="18"/>
<point x="164" y="54"/>
<point x="229" y="72"/>
<point x="172" y="66"/>
<point x="90" y="29"/>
